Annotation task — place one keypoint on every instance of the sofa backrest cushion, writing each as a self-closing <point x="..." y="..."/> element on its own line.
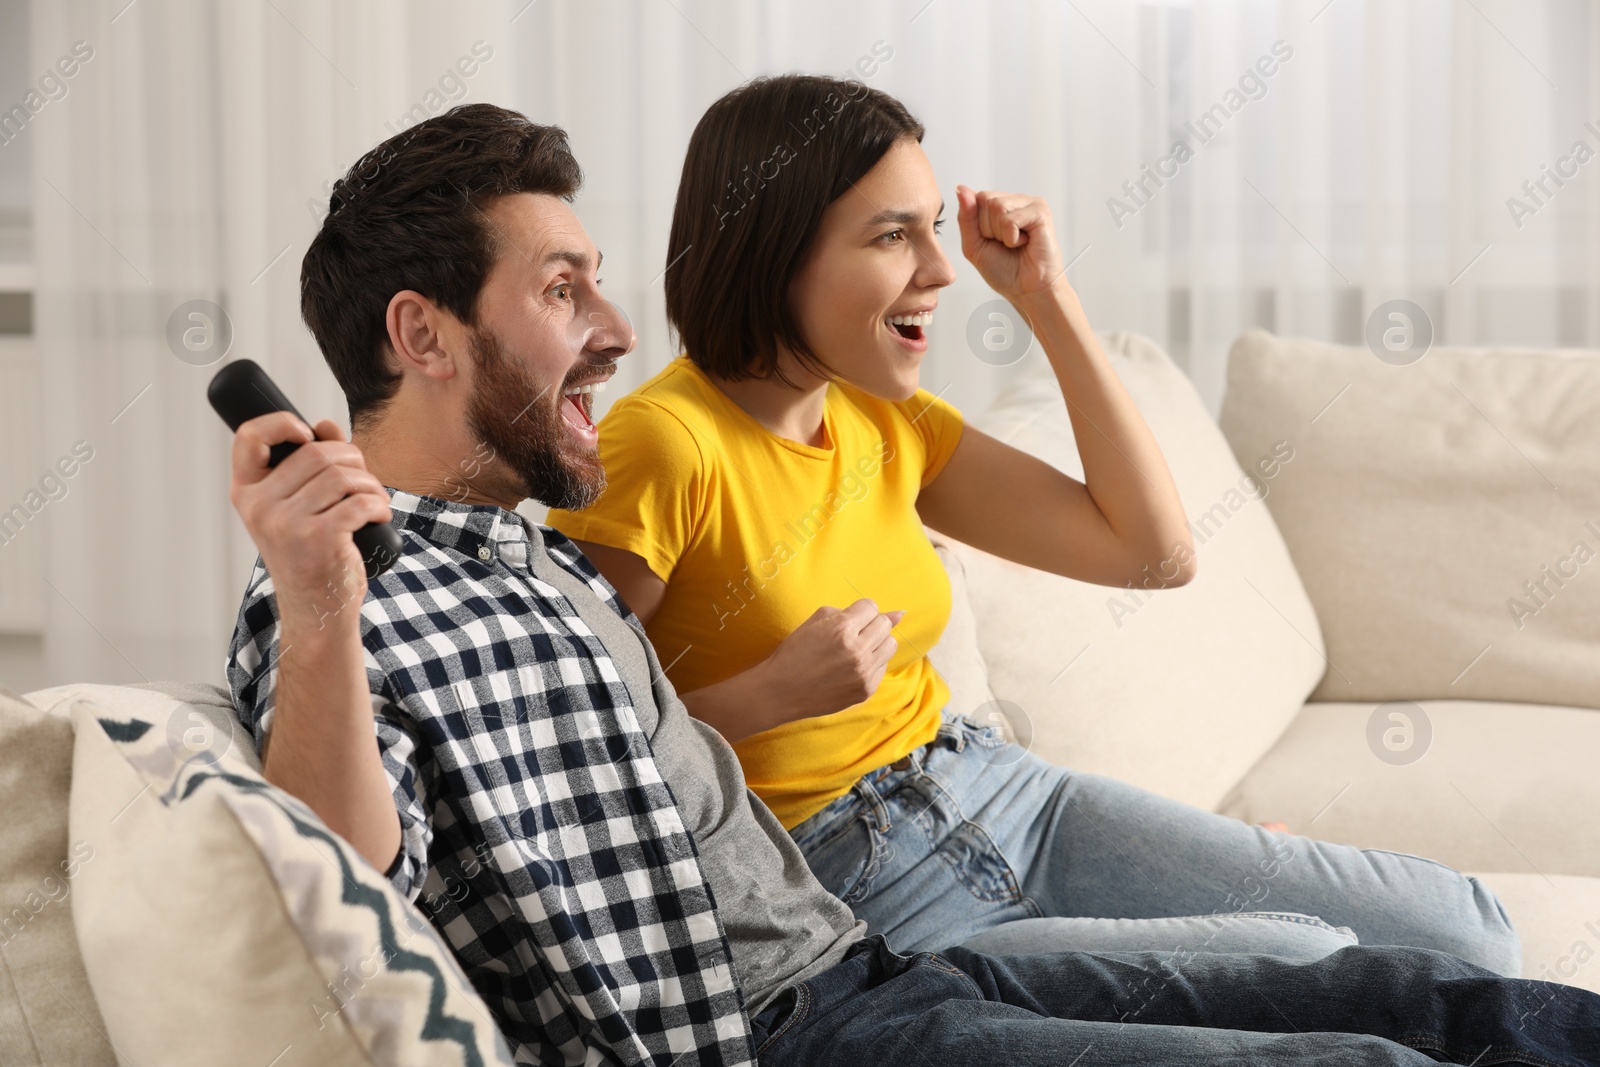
<point x="1178" y="690"/>
<point x="1444" y="515"/>
<point x="956" y="656"/>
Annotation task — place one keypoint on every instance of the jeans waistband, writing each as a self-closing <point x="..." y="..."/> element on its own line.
<point x="868" y="791"/>
<point x="866" y="963"/>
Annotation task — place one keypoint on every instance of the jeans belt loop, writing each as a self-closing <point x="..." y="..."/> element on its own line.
<point x="866" y="790"/>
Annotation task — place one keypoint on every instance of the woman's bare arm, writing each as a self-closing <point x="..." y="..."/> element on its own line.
<point x="1124" y="522"/>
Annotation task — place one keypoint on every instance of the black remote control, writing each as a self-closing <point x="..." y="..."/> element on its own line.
<point x="241" y="391"/>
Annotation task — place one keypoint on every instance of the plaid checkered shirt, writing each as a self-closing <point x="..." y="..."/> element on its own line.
<point x="537" y="830"/>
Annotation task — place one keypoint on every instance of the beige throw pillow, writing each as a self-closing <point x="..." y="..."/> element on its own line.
<point x="222" y="922"/>
<point x="48" y="1015"/>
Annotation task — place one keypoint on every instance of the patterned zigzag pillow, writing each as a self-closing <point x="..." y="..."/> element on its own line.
<point x="222" y="922"/>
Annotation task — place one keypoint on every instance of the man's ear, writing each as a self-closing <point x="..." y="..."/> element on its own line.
<point x="422" y="336"/>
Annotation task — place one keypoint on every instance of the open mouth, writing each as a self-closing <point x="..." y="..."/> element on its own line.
<point x="910" y="326"/>
<point x="577" y="407"/>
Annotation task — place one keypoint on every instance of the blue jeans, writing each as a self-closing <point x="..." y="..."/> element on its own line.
<point x="1356" y="1005"/>
<point x="973" y="841"/>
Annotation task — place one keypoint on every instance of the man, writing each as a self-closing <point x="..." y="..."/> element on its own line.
<point x="487" y="723"/>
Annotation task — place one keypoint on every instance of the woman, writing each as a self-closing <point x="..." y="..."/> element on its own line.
<point x="786" y="465"/>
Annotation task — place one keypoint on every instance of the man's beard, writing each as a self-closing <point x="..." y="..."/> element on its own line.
<point x="512" y="415"/>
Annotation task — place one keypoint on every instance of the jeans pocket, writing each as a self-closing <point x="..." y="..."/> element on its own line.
<point x="783" y="1015"/>
<point x="979" y="865"/>
<point x="826" y="824"/>
<point x="847" y="858"/>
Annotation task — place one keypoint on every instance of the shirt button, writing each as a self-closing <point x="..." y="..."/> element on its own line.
<point x="484" y="553"/>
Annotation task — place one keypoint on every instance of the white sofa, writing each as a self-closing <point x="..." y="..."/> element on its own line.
<point x="1367" y="559"/>
<point x="1347" y="659"/>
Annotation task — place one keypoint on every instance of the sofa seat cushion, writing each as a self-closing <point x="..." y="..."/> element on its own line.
<point x="1497" y="787"/>
<point x="1558" y="918"/>
<point x="1444" y="515"/>
<point x="222" y="922"/>
<point x="1177" y="690"/>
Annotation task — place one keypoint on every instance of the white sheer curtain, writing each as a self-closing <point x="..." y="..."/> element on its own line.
<point x="1375" y="161"/>
<point x="186" y="163"/>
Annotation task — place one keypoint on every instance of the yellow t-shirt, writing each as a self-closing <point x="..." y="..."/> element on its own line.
<point x="753" y="532"/>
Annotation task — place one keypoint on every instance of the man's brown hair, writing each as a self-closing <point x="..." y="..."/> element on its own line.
<point x="410" y="215"/>
<point x="763" y="164"/>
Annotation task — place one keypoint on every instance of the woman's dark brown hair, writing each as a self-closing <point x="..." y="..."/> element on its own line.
<point x="410" y="215"/>
<point x="763" y="164"/>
